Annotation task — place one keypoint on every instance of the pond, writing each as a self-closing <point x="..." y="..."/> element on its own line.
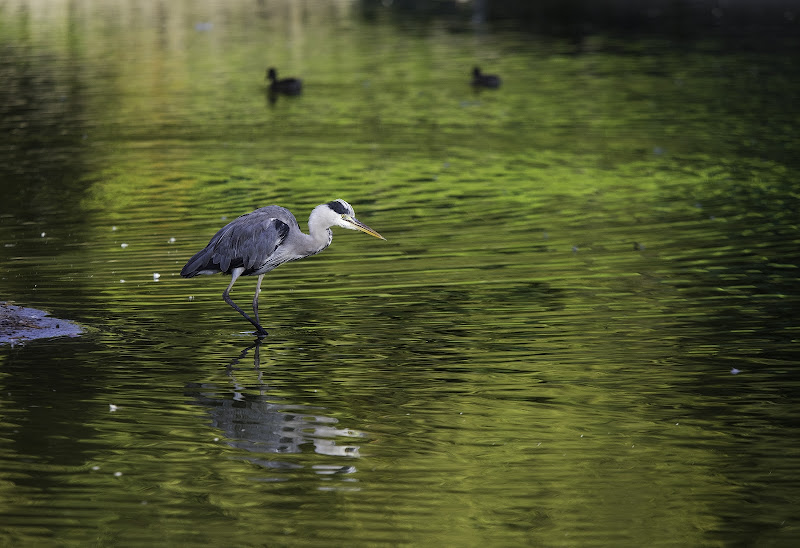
<point x="581" y="329"/>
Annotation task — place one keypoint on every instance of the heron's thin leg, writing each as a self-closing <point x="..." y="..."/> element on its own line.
<point x="255" y="299"/>
<point x="225" y="295"/>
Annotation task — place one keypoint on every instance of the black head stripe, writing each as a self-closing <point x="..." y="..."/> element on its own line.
<point x="338" y="207"/>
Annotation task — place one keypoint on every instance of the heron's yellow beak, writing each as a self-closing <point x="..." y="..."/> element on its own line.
<point x="358" y="225"/>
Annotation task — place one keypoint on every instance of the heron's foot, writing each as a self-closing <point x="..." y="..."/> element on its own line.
<point x="261" y="333"/>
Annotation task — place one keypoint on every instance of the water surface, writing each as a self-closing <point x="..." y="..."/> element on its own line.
<point x="580" y="330"/>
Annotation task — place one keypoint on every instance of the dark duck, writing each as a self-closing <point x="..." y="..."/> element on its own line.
<point x="480" y="80"/>
<point x="286" y="86"/>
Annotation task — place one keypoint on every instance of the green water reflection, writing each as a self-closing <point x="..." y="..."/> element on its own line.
<point x="580" y="331"/>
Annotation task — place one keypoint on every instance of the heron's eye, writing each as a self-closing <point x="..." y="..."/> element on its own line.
<point x="344" y="216"/>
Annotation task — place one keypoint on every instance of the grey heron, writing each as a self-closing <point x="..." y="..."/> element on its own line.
<point x="287" y="86"/>
<point x="264" y="239"/>
<point x="484" y="80"/>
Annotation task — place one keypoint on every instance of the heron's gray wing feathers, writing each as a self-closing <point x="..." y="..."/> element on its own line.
<point x="249" y="242"/>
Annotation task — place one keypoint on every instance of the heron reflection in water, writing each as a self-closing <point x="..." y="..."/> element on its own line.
<point x="263" y="422"/>
<point x="264" y="239"/>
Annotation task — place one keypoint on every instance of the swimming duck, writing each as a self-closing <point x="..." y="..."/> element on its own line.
<point x="484" y="80"/>
<point x="287" y="86"/>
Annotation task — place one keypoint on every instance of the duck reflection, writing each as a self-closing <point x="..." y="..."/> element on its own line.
<point x="256" y="422"/>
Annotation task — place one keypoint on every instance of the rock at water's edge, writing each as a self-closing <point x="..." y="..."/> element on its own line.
<point x="19" y="324"/>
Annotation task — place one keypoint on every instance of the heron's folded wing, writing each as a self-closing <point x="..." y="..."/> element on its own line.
<point x="247" y="243"/>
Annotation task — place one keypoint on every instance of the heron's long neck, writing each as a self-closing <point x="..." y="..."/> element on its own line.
<point x="319" y="232"/>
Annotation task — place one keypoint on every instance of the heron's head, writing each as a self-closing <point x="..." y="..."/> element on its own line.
<point x="340" y="213"/>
